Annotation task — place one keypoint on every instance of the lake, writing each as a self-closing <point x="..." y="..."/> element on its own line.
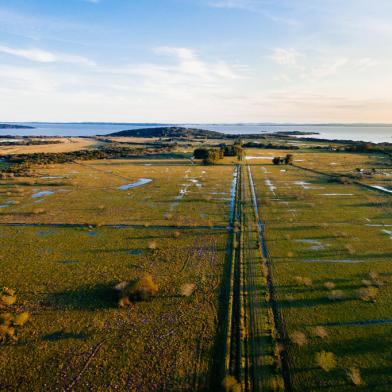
<point x="369" y="133"/>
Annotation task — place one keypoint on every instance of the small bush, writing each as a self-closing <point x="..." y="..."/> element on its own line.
<point x="368" y="293"/>
<point x="329" y="285"/>
<point x="142" y="289"/>
<point x="276" y="383"/>
<point x="187" y="289"/>
<point x="326" y="360"/>
<point x="230" y="384"/>
<point x="298" y="338"/>
<point x="10" y="321"/>
<point x="304" y="281"/>
<point x="320" y="332"/>
<point x="354" y="375"/>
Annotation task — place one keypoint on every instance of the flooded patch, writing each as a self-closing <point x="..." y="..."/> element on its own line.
<point x="92" y="233"/>
<point x="4" y="205"/>
<point x="257" y="157"/>
<point x="270" y="185"/>
<point x="336" y="194"/>
<point x="45" y="233"/>
<point x="389" y="232"/>
<point x="315" y="245"/>
<point x="140" y="182"/>
<point x="42" y="194"/>
<point x="303" y="184"/>
<point x="381" y="188"/>
<point x="135" y="252"/>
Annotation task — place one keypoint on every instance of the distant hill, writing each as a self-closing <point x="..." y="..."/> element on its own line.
<point x="169" y="132"/>
<point x="14" y="126"/>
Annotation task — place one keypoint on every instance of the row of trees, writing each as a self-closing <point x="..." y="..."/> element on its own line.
<point x="210" y="156"/>
<point x="287" y="160"/>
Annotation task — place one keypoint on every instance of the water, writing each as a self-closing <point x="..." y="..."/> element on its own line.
<point x="140" y="182"/>
<point x="369" y="133"/>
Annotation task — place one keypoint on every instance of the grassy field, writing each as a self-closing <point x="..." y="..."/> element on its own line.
<point x="327" y="242"/>
<point x="66" y="145"/>
<point x="313" y="275"/>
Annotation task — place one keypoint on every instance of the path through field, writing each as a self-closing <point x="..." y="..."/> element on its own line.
<point x="255" y="353"/>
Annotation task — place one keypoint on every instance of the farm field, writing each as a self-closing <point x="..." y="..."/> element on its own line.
<point x="66" y="145"/>
<point x="259" y="269"/>
<point x="88" y="235"/>
<point x="176" y="193"/>
<point x="328" y="243"/>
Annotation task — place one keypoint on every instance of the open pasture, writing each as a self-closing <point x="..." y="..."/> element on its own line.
<point x="108" y="192"/>
<point x="329" y="243"/>
<point x="78" y="337"/>
<point x="65" y="145"/>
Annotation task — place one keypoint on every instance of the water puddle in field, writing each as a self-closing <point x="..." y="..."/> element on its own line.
<point x="315" y="245"/>
<point x="4" y="205"/>
<point x="42" y="194"/>
<point x="270" y="185"/>
<point x="45" y="233"/>
<point x="91" y="233"/>
<point x="257" y="157"/>
<point x="304" y="184"/>
<point x="335" y="261"/>
<point x="135" y="252"/>
<point x="379" y="225"/>
<point x="388" y="232"/>
<point x="232" y="194"/>
<point x="336" y="194"/>
<point x="140" y="182"/>
<point x="381" y="188"/>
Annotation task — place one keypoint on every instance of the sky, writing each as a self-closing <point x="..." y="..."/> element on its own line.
<point x="195" y="61"/>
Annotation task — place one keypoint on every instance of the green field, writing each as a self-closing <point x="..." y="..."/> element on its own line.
<point x="247" y="285"/>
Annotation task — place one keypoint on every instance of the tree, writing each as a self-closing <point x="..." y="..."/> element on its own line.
<point x="289" y="160"/>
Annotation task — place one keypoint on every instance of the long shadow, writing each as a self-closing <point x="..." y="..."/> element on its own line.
<point x="61" y="335"/>
<point x="101" y="296"/>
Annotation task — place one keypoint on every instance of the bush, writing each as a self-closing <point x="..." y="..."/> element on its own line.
<point x="329" y="285"/>
<point x="320" y="332"/>
<point x="230" y="384"/>
<point x="298" y="338"/>
<point x="354" y="375"/>
<point x="10" y="322"/>
<point x="368" y="293"/>
<point x="326" y="360"/>
<point x="142" y="289"/>
<point x="187" y="289"/>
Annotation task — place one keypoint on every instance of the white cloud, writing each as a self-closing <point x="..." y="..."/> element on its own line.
<point x="285" y="56"/>
<point x="43" y="56"/>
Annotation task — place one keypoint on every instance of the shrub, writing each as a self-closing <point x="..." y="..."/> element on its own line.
<point x="152" y="245"/>
<point x="304" y="281"/>
<point x="276" y="383"/>
<point x="10" y="322"/>
<point x="142" y="289"/>
<point x="354" y="375"/>
<point x="187" y="289"/>
<point x="320" y="332"/>
<point x="329" y="285"/>
<point x="368" y="293"/>
<point x="326" y="360"/>
<point x="298" y="338"/>
<point x="230" y="384"/>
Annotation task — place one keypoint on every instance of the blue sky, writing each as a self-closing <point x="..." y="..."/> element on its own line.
<point x="196" y="60"/>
